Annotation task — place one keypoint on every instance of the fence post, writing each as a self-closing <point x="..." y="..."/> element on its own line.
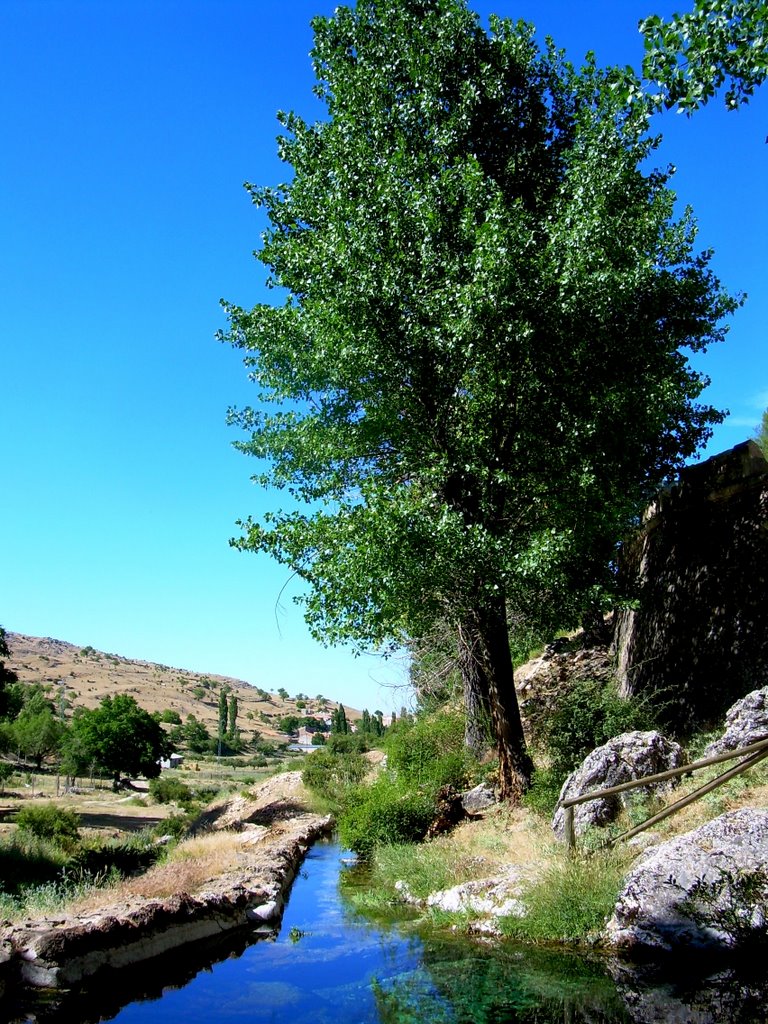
<point x="570" y="834"/>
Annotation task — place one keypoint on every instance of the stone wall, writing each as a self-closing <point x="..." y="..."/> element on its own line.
<point x="698" y="638"/>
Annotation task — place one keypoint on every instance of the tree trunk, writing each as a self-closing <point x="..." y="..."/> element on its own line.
<point x="487" y="641"/>
<point x="477" y="730"/>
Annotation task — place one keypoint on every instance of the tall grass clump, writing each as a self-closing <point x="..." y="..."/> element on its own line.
<point x="570" y="899"/>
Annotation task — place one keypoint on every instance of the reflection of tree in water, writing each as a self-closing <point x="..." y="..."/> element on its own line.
<point x="463" y="984"/>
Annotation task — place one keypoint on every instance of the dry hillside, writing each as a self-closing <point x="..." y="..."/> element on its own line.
<point x="81" y="676"/>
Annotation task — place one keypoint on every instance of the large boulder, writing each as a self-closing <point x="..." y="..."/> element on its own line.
<point x="745" y="722"/>
<point x="633" y="755"/>
<point x="707" y="889"/>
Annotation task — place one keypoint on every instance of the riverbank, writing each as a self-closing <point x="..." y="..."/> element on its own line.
<point x="235" y="876"/>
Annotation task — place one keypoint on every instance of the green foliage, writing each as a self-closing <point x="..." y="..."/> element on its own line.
<point x="318" y="739"/>
<point x="232" y="718"/>
<point x="118" y="736"/>
<point x="330" y="775"/>
<point x="690" y="56"/>
<point x="478" y="374"/>
<point x="339" y="723"/>
<point x="587" y="714"/>
<point x="423" y="756"/>
<point x="384" y="813"/>
<point x="196" y="736"/>
<point x="6" y="773"/>
<point x="288" y="724"/>
<point x="37" y="732"/>
<point x="167" y="790"/>
<point x="282" y="693"/>
<point x="544" y="791"/>
<point x="347" y="743"/>
<point x="198" y="692"/>
<point x="223" y="713"/>
<point x="571" y="899"/>
<point x="7" y="675"/>
<point x="372" y="724"/>
<point x="170" y="716"/>
<point x="47" y="821"/>
<point x="430" y="751"/>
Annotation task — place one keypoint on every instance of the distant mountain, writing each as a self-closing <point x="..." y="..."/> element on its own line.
<point x="81" y="676"/>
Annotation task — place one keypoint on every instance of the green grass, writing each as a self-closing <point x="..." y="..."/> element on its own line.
<point x="423" y="868"/>
<point x="572" y="898"/>
<point x="54" y="896"/>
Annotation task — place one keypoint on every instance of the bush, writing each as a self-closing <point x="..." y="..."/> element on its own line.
<point x="588" y="714"/>
<point x="47" y="821"/>
<point x="383" y="814"/>
<point x="331" y="775"/>
<point x="544" y="792"/>
<point x="347" y="743"/>
<point x="430" y="751"/>
<point x="170" y="791"/>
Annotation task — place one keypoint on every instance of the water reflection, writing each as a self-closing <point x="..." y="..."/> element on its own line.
<point x="330" y="965"/>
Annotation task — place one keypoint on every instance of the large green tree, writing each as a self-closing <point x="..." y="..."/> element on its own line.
<point x="719" y="42"/>
<point x="118" y="736"/>
<point x="478" y="372"/>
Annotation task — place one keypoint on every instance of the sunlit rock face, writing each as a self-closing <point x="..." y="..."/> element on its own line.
<point x="707" y="889"/>
<point x="746" y="722"/>
<point x="630" y="756"/>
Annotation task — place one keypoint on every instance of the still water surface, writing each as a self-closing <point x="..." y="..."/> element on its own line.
<point x="330" y="965"/>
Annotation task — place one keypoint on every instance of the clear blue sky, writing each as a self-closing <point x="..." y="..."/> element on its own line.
<point x="128" y="128"/>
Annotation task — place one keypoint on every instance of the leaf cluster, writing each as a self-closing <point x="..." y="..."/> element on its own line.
<point x="477" y="376"/>
<point x="691" y="56"/>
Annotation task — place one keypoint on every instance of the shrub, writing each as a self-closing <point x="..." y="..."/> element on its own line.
<point x="47" y="821"/>
<point x="382" y="814"/>
<point x="169" y="790"/>
<point x="331" y="775"/>
<point x="430" y="751"/>
<point x="544" y="792"/>
<point x="347" y="743"/>
<point x="588" y="714"/>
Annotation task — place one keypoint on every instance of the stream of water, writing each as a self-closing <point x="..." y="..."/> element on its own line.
<point x="328" y="965"/>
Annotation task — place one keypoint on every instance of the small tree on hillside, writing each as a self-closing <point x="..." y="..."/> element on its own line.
<point x="232" y="718"/>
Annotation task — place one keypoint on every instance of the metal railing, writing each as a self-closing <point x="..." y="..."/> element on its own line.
<point x="755" y="752"/>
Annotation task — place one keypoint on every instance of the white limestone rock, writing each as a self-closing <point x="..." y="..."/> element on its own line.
<point x="657" y="910"/>
<point x="745" y="722"/>
<point x="633" y="755"/>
